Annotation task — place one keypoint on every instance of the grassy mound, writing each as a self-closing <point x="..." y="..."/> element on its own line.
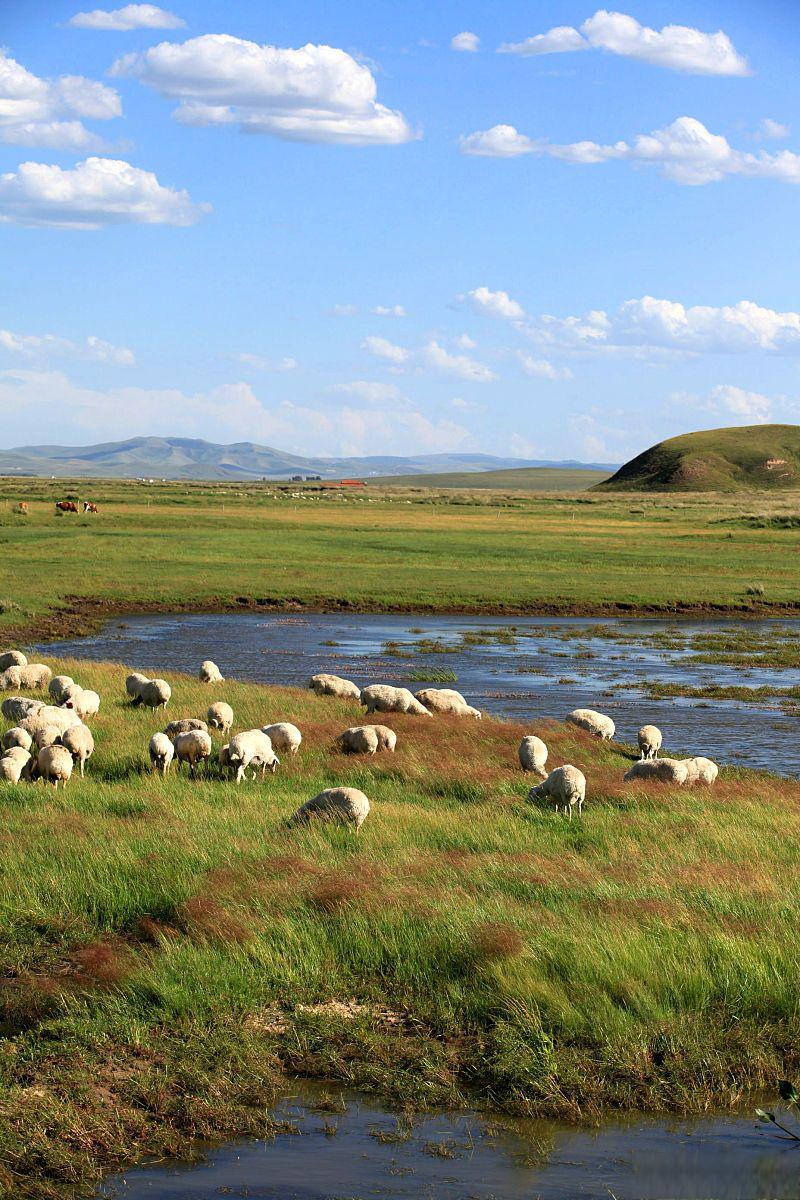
<point x="170" y="949"/>
<point x="763" y="457"/>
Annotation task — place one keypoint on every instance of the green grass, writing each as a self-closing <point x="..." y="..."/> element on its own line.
<point x="170" y="949"/>
<point x="514" y="479"/>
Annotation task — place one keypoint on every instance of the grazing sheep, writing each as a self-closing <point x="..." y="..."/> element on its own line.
<point x="224" y="757"/>
<point x="387" y="738"/>
<point x="17" y="737"/>
<point x="533" y="755"/>
<point x="220" y="716"/>
<point x="334" y="685"/>
<point x="162" y="752"/>
<point x="382" y="697"/>
<point x="11" y="678"/>
<point x="193" y="747"/>
<point x="665" y="770"/>
<point x="447" y="701"/>
<point x="701" y="770"/>
<point x="344" y="804"/>
<point x="593" y="722"/>
<point x="650" y="740"/>
<point x="185" y="725"/>
<point x="284" y="736"/>
<point x="359" y="739"/>
<point x="13" y="764"/>
<point x="46" y="735"/>
<point x="80" y="743"/>
<point x="54" y="765"/>
<point x="12" y="658"/>
<point x="566" y="786"/>
<point x="84" y="702"/>
<point x="68" y="691"/>
<point x="155" y="693"/>
<point x="16" y="708"/>
<point x="133" y="686"/>
<point x="48" y="714"/>
<point x="58" y="686"/>
<point x="209" y="672"/>
<point x="253" y="749"/>
<point x="35" y="675"/>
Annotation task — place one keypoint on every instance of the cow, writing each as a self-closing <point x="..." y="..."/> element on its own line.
<point x="89" y="507"/>
<point x="66" y="506"/>
<point x="22" y="508"/>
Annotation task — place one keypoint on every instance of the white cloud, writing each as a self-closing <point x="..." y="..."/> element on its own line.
<point x="435" y="356"/>
<point x="728" y="401"/>
<point x="495" y="304"/>
<point x="369" y="390"/>
<point x="132" y="16"/>
<point x="465" y="342"/>
<point x="466" y="41"/>
<point x="49" y="345"/>
<point x="97" y="192"/>
<point x="312" y="94"/>
<point x="541" y="368"/>
<point x="344" y="310"/>
<point x="43" y="112"/>
<point x="501" y="141"/>
<point x="677" y="47"/>
<point x="382" y="348"/>
<point x="394" y="310"/>
<point x="685" y="152"/>
<point x="259" y="363"/>
<point x="773" y="130"/>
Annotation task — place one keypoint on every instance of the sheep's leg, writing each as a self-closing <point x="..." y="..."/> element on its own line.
<point x="81" y="768"/>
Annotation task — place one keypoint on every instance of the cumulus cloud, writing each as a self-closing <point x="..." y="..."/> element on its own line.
<point x="132" y="16"/>
<point x="382" y="348"/>
<point x="49" y="345"/>
<point x="685" y="152"/>
<point x="677" y="47"/>
<point x="732" y="403"/>
<point x="441" y="360"/>
<point x="393" y="310"/>
<point x="47" y="112"/>
<point x="773" y="130"/>
<point x="494" y="304"/>
<point x="466" y="41"/>
<point x="465" y="342"/>
<point x="541" y="368"/>
<point x="259" y="363"/>
<point x="312" y="94"/>
<point x="96" y="193"/>
<point x="370" y="390"/>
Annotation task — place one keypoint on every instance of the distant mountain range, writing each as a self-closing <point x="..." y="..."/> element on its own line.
<point x="187" y="458"/>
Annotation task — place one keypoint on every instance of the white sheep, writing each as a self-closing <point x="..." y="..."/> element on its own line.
<point x="566" y="786"/>
<point x="12" y="658"/>
<point x="11" y="679"/>
<point x="49" y="714"/>
<point x="220" y="716"/>
<point x="209" y="672"/>
<point x="17" y="737"/>
<point x="701" y="770"/>
<point x="665" y="770"/>
<point x="387" y="738"/>
<point x="68" y="691"/>
<point x="46" y="735"/>
<point x="185" y="725"/>
<point x="80" y="743"/>
<point x="650" y="741"/>
<point x="359" y="739"/>
<point x="54" y="765"/>
<point x="155" y="693"/>
<point x="344" y="804"/>
<point x="84" y="702"/>
<point x="533" y="755"/>
<point x="133" y="686"/>
<point x="284" y="736"/>
<point x="252" y="748"/>
<point x="35" y="676"/>
<point x="382" y="697"/>
<point x="58" y="686"/>
<point x="16" y="708"/>
<point x="162" y="752"/>
<point x="13" y="763"/>
<point x="593" y="722"/>
<point x="334" y="685"/>
<point x="193" y="747"/>
<point x="448" y="702"/>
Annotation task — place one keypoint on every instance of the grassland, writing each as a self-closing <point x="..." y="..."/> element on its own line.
<point x="197" y="546"/>
<point x="514" y="479"/>
<point x="170" y="951"/>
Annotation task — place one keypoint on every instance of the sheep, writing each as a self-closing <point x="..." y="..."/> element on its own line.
<point x="17" y="737"/>
<point x="35" y="675"/>
<point x="447" y="701"/>
<point x="533" y="755"/>
<point x="192" y="747"/>
<point x="133" y="686"/>
<point x="253" y="748"/>
<point x="220" y="716"/>
<point x="12" y="658"/>
<point x="16" y="708"/>
<point x="46" y="735"/>
<point x="284" y="736"/>
<point x="80" y="743"/>
<point x="387" y="738"/>
<point x="54" y="765"/>
<point x="84" y="702"/>
<point x="593" y="722"/>
<point x="359" y="739"/>
<point x="48" y="714"/>
<point x="11" y="679"/>
<point x="701" y="770"/>
<point x="566" y="786"/>
<point x="162" y="752"/>
<point x="209" y="672"/>
<point x="650" y="741"/>
<point x="67" y="691"/>
<point x="665" y="770"/>
<point x="13" y="765"/>
<point x="155" y="693"/>
<point x="344" y="804"/>
<point x="185" y="725"/>
<point x="58" y="686"/>
<point x="224" y="757"/>
<point x="334" y="685"/>
<point x="382" y="697"/>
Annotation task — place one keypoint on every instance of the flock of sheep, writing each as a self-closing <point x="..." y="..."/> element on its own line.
<point x="48" y="740"/>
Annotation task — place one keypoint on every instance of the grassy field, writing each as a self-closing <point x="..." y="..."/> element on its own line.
<point x="194" y="546"/>
<point x="516" y="479"/>
<point x="170" y="950"/>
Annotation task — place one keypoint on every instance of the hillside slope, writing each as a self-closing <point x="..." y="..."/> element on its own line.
<point x="765" y="457"/>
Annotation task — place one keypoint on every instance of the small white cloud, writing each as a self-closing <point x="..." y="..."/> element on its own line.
<point x="773" y="130"/>
<point x="371" y="391"/>
<point x="495" y="304"/>
<point x="741" y="403"/>
<point x="541" y="368"/>
<point x="464" y="342"/>
<point x="394" y="310"/>
<point x="468" y="42"/>
<point x="435" y="356"/>
<point x="344" y="310"/>
<point x="43" y="112"/>
<point x="501" y="141"/>
<point x="49" y="345"/>
<point x="132" y="16"/>
<point x="259" y="363"/>
<point x="382" y="348"/>
<point x="561" y="40"/>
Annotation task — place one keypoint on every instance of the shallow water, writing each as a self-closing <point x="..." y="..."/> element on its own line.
<point x="337" y="1155"/>
<point x="556" y="665"/>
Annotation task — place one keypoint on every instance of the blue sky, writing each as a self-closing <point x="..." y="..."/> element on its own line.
<point x="559" y="283"/>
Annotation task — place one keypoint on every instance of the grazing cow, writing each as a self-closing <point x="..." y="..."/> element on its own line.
<point x="89" y="507"/>
<point x="22" y="507"/>
<point x="66" y="506"/>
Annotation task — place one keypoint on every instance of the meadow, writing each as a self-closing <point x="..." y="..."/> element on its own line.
<point x="180" y="546"/>
<point x="171" y="951"/>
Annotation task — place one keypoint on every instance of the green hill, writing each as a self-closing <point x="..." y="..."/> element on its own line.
<point x="763" y="457"/>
